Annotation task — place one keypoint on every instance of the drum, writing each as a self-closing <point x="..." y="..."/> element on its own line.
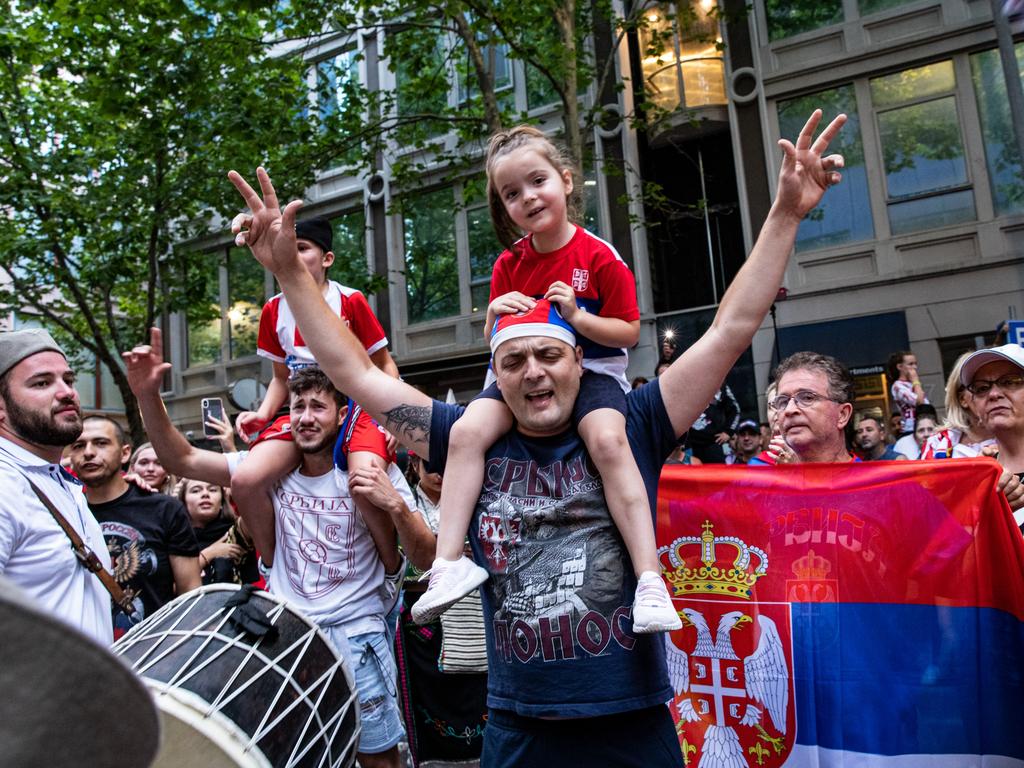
<point x="230" y="698"/>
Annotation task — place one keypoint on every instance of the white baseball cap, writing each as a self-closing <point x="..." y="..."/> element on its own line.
<point x="1012" y="352"/>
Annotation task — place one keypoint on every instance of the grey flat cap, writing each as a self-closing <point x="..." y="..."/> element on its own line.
<point x="15" y="346"/>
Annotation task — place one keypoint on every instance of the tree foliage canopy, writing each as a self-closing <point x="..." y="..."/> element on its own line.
<point x="118" y="123"/>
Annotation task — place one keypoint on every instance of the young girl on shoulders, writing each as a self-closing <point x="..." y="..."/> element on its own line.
<point x="531" y="191"/>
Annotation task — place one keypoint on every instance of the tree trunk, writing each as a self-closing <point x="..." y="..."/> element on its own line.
<point x="565" y="17"/>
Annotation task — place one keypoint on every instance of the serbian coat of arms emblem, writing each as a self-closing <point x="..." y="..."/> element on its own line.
<point x="731" y="664"/>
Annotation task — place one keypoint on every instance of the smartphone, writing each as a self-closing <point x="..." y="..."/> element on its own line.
<point x="212" y="406"/>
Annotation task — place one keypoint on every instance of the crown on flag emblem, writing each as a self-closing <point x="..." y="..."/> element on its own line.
<point x="735" y="577"/>
<point x="812" y="566"/>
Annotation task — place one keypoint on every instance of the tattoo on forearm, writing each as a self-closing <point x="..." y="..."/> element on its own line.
<point x="410" y="422"/>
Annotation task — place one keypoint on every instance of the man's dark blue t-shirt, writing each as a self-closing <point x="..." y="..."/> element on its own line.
<point x="558" y="602"/>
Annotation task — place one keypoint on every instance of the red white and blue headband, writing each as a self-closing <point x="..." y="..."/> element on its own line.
<point x="542" y="320"/>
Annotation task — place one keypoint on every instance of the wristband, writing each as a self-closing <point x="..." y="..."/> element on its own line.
<point x="263" y="569"/>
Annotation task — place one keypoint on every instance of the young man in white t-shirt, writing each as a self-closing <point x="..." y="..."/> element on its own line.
<point x="325" y="561"/>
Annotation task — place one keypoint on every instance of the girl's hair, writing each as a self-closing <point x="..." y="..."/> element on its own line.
<point x="504" y="143"/>
<point x="895" y="359"/>
<point x="957" y="417"/>
<point x="225" y="510"/>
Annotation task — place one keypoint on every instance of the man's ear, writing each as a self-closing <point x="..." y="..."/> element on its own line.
<point x="342" y="413"/>
<point x="845" y="413"/>
<point x="126" y="453"/>
<point x="328" y="259"/>
<point x="579" y="357"/>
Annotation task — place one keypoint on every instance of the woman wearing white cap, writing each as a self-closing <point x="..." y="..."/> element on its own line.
<point x="995" y="378"/>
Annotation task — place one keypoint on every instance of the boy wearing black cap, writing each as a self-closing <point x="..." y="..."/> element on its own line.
<point x="272" y="453"/>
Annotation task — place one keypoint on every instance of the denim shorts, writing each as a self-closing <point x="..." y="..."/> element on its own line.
<point x="373" y="665"/>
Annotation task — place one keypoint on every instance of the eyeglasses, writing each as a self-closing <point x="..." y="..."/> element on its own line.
<point x="804" y="399"/>
<point x="1011" y="382"/>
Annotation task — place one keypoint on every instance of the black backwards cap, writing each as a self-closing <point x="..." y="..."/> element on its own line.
<point x="317" y="231"/>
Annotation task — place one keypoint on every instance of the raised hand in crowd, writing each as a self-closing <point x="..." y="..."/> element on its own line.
<point x="268" y="231"/>
<point x="225" y="433"/>
<point x="805" y="173"/>
<point x="145" y="366"/>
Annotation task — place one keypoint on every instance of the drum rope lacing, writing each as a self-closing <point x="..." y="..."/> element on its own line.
<point x="325" y="730"/>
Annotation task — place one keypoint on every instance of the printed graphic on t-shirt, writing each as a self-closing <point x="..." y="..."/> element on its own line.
<point x="557" y="563"/>
<point x="318" y="532"/>
<point x="580" y="279"/>
<point x="131" y="560"/>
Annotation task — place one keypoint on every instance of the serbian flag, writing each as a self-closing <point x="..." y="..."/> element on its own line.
<point x="853" y="615"/>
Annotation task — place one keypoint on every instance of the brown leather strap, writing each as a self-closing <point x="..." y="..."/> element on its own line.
<point x="122" y="598"/>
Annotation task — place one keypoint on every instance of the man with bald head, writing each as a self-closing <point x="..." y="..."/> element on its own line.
<point x="568" y="680"/>
<point x="39" y="416"/>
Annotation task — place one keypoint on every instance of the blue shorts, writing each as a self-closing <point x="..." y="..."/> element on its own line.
<point x="373" y="665"/>
<point x="643" y="738"/>
<point x="597" y="390"/>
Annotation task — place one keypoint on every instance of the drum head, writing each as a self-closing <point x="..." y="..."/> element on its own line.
<point x="239" y="696"/>
<point x="67" y="701"/>
<point x="191" y="735"/>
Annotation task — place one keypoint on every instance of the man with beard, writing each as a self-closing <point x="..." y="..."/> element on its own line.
<point x="870" y="432"/>
<point x="149" y="535"/>
<point x="39" y="415"/>
<point x="324" y="560"/>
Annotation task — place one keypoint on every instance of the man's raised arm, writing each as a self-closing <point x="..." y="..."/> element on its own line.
<point x="145" y="367"/>
<point x="270" y="235"/>
<point x="690" y="382"/>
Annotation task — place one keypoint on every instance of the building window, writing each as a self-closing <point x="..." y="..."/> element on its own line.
<point x="786" y="18"/>
<point x="539" y="90"/>
<point x="791" y="17"/>
<point x="922" y="149"/>
<point x="1001" y="155"/>
<point x="431" y="261"/>
<point x="245" y="301"/>
<point x="422" y="82"/>
<point x="204" y="317"/>
<point x="682" y="58"/>
<point x="350" y="267"/>
<point x="484" y="247"/>
<point x="498" y="65"/>
<point x="844" y="215"/>
<point x="335" y="75"/>
<point x="868" y="7"/>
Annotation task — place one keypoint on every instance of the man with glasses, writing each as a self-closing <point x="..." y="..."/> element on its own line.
<point x="814" y="404"/>
<point x="996" y="379"/>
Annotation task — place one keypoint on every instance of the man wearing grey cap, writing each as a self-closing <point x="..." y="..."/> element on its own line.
<point x="39" y="416"/>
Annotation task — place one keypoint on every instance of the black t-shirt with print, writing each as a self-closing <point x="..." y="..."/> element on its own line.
<point x="142" y="530"/>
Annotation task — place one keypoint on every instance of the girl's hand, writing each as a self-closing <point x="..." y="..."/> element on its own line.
<point x="225" y="433"/>
<point x="565" y="297"/>
<point x="510" y="303"/>
<point x="248" y="424"/>
<point x="223" y="549"/>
